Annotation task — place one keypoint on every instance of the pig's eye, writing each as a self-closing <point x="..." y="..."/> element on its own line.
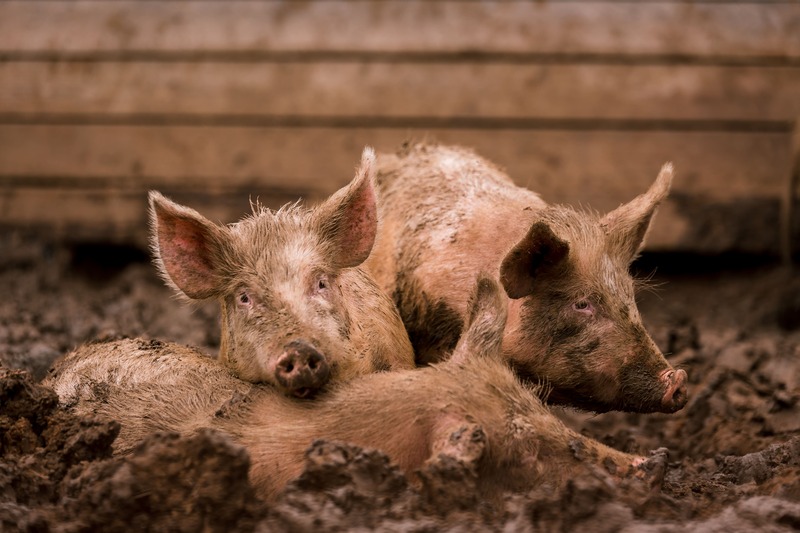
<point x="322" y="283"/>
<point x="583" y="306"/>
<point x="244" y="299"/>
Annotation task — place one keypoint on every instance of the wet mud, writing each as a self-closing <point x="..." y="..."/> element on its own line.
<point x="730" y="459"/>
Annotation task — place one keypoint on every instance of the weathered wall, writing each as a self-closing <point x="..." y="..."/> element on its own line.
<point x="214" y="102"/>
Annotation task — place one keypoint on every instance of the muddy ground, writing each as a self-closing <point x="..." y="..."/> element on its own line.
<point x="734" y="450"/>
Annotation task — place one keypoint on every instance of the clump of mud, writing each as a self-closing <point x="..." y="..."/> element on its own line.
<point x="733" y="459"/>
<point x="57" y="474"/>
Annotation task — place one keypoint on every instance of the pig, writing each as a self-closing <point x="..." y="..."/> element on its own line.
<point x="573" y="322"/>
<point x="471" y="408"/>
<point x="296" y="310"/>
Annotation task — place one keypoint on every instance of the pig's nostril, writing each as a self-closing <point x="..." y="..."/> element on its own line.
<point x="289" y="367"/>
<point x="679" y="398"/>
<point x="675" y="395"/>
<point x="312" y="364"/>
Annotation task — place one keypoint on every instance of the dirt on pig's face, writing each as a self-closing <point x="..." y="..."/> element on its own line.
<point x="297" y="312"/>
<point x="284" y="309"/>
<point x="575" y="324"/>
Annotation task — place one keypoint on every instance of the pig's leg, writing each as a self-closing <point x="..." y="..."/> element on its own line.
<point x="620" y="465"/>
<point x="449" y="478"/>
<point x="464" y="442"/>
<point x="653" y="469"/>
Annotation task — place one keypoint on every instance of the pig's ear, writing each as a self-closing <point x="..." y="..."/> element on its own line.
<point x="539" y="252"/>
<point x="483" y="333"/>
<point x="187" y="248"/>
<point x="348" y="220"/>
<point x="626" y="226"/>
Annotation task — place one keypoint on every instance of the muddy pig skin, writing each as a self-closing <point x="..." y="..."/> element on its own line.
<point x="297" y="311"/>
<point x="448" y="214"/>
<point x="471" y="408"/>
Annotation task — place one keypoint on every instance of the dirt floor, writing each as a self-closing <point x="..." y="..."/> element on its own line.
<point x="734" y="450"/>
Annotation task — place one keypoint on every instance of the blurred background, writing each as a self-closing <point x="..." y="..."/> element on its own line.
<point x="217" y="102"/>
<point x="214" y="102"/>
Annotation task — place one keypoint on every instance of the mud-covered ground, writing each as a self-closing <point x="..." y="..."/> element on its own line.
<point x="734" y="450"/>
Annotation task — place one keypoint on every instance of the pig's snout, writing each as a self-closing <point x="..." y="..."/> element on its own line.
<point x="301" y="369"/>
<point x="676" y="394"/>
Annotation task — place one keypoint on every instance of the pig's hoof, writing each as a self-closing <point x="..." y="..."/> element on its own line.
<point x="466" y="444"/>
<point x="652" y="469"/>
<point x="449" y="477"/>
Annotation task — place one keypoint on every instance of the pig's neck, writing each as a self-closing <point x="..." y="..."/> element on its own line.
<point x="382" y="339"/>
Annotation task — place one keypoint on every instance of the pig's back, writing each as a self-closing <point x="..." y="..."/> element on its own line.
<point x="442" y="178"/>
<point x="446" y="215"/>
<point x="446" y="206"/>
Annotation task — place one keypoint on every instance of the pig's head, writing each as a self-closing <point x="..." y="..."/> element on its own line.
<point x="278" y="276"/>
<point x="573" y="320"/>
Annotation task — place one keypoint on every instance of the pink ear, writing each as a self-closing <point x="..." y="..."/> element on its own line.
<point x="539" y="251"/>
<point x="186" y="247"/>
<point x="349" y="218"/>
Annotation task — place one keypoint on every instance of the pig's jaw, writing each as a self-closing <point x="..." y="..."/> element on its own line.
<point x="578" y="400"/>
<point x="669" y="401"/>
<point x="302" y="392"/>
<point x="633" y="388"/>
